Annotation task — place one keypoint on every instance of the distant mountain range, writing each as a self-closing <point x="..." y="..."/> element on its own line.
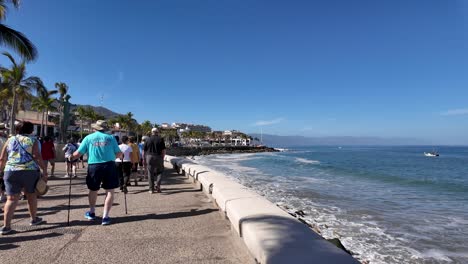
<point x="289" y="141"/>
<point x="98" y="109"/>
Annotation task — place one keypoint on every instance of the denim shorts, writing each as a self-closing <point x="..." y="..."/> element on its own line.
<point x="102" y="175"/>
<point x="16" y="180"/>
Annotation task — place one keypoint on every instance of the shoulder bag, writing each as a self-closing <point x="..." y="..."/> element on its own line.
<point x="41" y="185"/>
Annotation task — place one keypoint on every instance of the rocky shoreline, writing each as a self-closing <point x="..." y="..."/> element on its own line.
<point x="197" y="151"/>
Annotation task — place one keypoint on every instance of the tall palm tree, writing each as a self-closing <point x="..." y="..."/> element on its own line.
<point x="43" y="102"/>
<point x="21" y="87"/>
<point x="15" y="39"/>
<point x="146" y="127"/>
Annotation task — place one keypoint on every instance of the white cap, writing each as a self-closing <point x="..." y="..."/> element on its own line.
<point x="154" y="130"/>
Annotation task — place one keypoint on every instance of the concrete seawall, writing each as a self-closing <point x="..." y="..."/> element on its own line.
<point x="270" y="234"/>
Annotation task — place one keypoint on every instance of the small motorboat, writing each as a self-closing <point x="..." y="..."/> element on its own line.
<point x="431" y="154"/>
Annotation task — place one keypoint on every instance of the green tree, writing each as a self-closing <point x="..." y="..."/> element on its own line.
<point x="19" y="85"/>
<point x="82" y="115"/>
<point x="15" y="39"/>
<point x="146" y="127"/>
<point x="43" y="103"/>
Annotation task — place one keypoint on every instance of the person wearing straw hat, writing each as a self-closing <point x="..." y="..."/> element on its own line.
<point x="154" y="151"/>
<point x="102" y="150"/>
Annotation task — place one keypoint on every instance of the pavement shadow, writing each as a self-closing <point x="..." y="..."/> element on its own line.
<point x="190" y="213"/>
<point x="62" y="207"/>
<point x="136" y="218"/>
<point x="7" y="242"/>
<point x="63" y="196"/>
<point x="164" y="192"/>
<point x="67" y="184"/>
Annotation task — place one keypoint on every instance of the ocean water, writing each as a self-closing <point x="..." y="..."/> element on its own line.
<point x="386" y="204"/>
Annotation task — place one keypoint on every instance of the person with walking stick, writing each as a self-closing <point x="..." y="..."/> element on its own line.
<point x="124" y="165"/>
<point x="102" y="150"/>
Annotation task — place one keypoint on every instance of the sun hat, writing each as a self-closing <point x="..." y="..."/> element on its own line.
<point x="100" y="125"/>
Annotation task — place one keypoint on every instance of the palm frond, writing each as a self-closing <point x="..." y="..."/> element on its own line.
<point x="16" y="3"/>
<point x="18" y="42"/>
<point x="3" y="10"/>
<point x="10" y="57"/>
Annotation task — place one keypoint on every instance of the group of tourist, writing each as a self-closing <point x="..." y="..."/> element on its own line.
<point x="110" y="165"/>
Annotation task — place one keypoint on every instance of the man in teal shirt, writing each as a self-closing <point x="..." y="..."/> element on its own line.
<point x="102" y="150"/>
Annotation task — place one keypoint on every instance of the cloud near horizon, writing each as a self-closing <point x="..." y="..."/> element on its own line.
<point x="453" y="112"/>
<point x="268" y="122"/>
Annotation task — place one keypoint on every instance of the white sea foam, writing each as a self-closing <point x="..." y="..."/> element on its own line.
<point x="302" y="160"/>
<point x="437" y="255"/>
<point x="362" y="235"/>
<point x="282" y="149"/>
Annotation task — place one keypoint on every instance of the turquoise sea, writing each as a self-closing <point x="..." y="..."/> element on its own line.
<point x="386" y="204"/>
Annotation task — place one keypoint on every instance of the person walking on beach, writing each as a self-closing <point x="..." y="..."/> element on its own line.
<point x="48" y="154"/>
<point x="124" y="166"/>
<point x="69" y="149"/>
<point x="21" y="160"/>
<point x="154" y="151"/>
<point x="102" y="150"/>
<point x="135" y="157"/>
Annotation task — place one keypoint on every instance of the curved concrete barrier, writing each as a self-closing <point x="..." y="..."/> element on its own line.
<point x="196" y="170"/>
<point x="274" y="239"/>
<point x="271" y="234"/>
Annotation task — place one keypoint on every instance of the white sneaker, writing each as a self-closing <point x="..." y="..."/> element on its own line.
<point x="66" y="176"/>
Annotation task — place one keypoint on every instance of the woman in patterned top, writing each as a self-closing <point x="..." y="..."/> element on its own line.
<point x="21" y="159"/>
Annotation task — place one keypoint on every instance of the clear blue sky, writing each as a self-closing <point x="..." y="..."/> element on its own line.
<point x="393" y="68"/>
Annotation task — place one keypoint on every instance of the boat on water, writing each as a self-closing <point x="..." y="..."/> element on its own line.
<point x="431" y="154"/>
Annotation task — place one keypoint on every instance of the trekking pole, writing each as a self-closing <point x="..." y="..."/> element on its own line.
<point x="125" y="187"/>
<point x="69" y="200"/>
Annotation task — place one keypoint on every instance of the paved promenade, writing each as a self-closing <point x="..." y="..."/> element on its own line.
<point x="179" y="225"/>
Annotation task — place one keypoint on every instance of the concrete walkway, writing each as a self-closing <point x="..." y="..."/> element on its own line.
<point x="179" y="225"/>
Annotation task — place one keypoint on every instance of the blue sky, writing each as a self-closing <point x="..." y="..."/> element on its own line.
<point x="316" y="68"/>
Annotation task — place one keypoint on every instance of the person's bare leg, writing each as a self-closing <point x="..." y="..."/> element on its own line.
<point x="9" y="209"/>
<point x="92" y="197"/>
<point x="32" y="205"/>
<point x="74" y="169"/>
<point x="52" y="168"/>
<point x="46" y="163"/>
<point x="108" y="203"/>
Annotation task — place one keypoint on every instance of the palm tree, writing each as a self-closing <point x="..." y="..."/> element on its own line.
<point x="130" y="122"/>
<point x="44" y="103"/>
<point x="15" y="39"/>
<point x="146" y="127"/>
<point x="21" y="87"/>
